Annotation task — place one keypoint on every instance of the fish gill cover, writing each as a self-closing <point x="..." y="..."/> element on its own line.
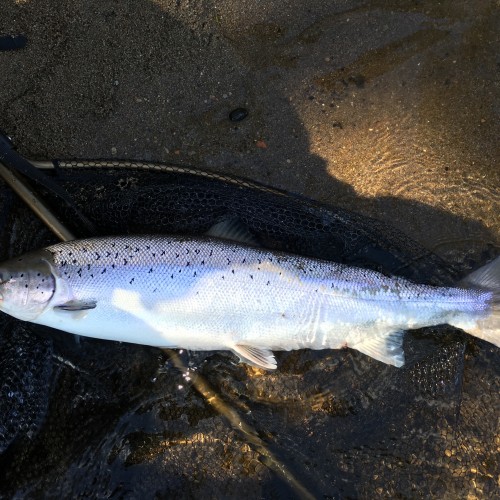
<point x="115" y="420"/>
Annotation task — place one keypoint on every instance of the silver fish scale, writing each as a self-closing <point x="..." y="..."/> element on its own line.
<point x="156" y="258"/>
<point x="226" y="292"/>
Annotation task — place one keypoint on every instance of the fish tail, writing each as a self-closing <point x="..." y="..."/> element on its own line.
<point x="486" y="278"/>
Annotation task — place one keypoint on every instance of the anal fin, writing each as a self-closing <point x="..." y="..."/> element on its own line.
<point x="387" y="348"/>
<point x="256" y="356"/>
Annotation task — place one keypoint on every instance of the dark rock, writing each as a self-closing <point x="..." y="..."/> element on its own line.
<point x="238" y="114"/>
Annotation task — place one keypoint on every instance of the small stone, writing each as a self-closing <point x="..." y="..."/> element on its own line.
<point x="113" y="150"/>
<point x="238" y="114"/>
<point x="261" y="144"/>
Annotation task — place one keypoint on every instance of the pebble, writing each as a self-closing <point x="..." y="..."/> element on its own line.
<point x="238" y="114"/>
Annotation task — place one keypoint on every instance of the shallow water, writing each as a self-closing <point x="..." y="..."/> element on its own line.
<point x="389" y="109"/>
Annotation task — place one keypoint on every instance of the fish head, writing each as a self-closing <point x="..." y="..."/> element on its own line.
<point x="27" y="284"/>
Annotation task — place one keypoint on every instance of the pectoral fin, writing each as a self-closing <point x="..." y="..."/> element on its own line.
<point x="77" y="305"/>
<point x="257" y="356"/>
<point x="386" y="348"/>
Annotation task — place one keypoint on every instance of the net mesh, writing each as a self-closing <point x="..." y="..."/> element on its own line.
<point x="107" y="419"/>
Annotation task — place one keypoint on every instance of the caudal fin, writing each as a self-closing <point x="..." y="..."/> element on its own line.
<point x="487" y="278"/>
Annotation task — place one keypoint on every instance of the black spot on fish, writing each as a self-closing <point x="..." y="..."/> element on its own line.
<point x="163" y="252"/>
<point x="148" y="247"/>
<point x="228" y="261"/>
<point x="38" y="274"/>
<point x="108" y="254"/>
<point x="150" y="270"/>
<point x="103" y="271"/>
<point x="22" y="275"/>
<point x="194" y="274"/>
<point x="243" y="261"/>
<point x="268" y="283"/>
<point x="222" y="277"/>
<point x="91" y="275"/>
<point x="26" y="286"/>
<point x="176" y="255"/>
<point x="154" y="254"/>
<point x="260" y="261"/>
<point x="187" y="251"/>
<point x="79" y="272"/>
<point x="116" y="255"/>
<point x="211" y="253"/>
<point x="97" y="256"/>
<point x="196" y="251"/>
<point x="113" y="245"/>
<point x="155" y="290"/>
<point x="74" y="261"/>
<point x="172" y="276"/>
<point x="126" y="247"/>
<point x="232" y="270"/>
<point x="113" y="266"/>
<point x="125" y="262"/>
<point x="202" y="262"/>
<point x="137" y="249"/>
<point x="70" y="254"/>
<point x="251" y="276"/>
<point x="132" y="280"/>
<point x="88" y="267"/>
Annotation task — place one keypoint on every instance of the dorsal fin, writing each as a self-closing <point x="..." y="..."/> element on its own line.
<point x="234" y="230"/>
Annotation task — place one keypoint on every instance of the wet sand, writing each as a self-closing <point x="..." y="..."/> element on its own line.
<point x="386" y="108"/>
